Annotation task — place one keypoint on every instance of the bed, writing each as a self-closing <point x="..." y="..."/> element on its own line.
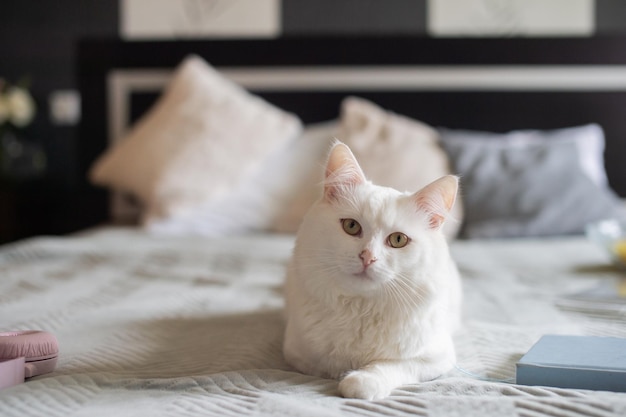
<point x="168" y="308"/>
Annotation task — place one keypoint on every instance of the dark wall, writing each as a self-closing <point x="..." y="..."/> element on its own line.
<point x="37" y="40"/>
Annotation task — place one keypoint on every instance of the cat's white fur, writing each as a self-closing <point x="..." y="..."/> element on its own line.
<point x="359" y="310"/>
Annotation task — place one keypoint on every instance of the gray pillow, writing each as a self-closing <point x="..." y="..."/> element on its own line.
<point x="525" y="188"/>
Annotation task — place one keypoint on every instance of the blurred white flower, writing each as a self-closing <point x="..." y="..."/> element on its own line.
<point x="21" y="106"/>
<point x="17" y="106"/>
<point x="20" y="158"/>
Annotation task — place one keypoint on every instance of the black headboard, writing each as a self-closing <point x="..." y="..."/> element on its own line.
<point x="595" y="94"/>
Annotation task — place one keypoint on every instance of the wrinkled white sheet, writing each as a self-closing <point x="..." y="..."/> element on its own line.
<point x="187" y="326"/>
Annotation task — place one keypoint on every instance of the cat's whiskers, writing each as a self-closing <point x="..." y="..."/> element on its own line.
<point x="418" y="297"/>
<point x="406" y="302"/>
<point x="395" y="295"/>
<point x="399" y="288"/>
<point x="407" y="294"/>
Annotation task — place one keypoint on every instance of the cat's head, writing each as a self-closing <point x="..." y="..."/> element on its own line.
<point x="361" y="236"/>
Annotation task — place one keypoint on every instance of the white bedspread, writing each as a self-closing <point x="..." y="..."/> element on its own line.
<point x="170" y="326"/>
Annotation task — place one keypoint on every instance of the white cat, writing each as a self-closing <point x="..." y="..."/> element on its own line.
<point x="372" y="294"/>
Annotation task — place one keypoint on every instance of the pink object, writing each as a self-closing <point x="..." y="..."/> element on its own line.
<point x="24" y="354"/>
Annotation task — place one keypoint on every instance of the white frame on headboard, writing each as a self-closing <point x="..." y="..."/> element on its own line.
<point x="573" y="78"/>
<point x="122" y="83"/>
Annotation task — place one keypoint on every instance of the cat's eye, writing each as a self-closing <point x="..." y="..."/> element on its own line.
<point x="398" y="240"/>
<point x="351" y="227"/>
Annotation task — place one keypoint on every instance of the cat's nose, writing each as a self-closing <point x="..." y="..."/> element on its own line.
<point x="367" y="257"/>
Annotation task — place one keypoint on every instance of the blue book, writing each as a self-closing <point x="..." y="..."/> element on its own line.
<point x="583" y="362"/>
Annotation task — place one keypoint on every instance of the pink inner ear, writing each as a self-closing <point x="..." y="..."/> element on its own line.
<point x="342" y="171"/>
<point x="437" y="198"/>
<point x="436" y="221"/>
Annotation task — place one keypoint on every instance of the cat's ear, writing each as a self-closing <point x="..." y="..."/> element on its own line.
<point x="342" y="171"/>
<point x="437" y="199"/>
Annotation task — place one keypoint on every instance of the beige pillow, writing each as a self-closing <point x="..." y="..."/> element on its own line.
<point x="202" y="137"/>
<point x="275" y="198"/>
<point x="395" y="151"/>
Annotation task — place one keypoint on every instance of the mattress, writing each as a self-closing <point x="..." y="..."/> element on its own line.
<point x="192" y="326"/>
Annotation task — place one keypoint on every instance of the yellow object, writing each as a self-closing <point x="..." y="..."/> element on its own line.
<point x="620" y="249"/>
<point x="621" y="288"/>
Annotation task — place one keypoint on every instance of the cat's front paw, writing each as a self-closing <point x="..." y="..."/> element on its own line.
<point x="363" y="385"/>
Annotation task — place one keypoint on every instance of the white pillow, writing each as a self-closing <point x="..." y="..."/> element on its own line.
<point x="274" y="198"/>
<point x="202" y="138"/>
<point x="395" y="151"/>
